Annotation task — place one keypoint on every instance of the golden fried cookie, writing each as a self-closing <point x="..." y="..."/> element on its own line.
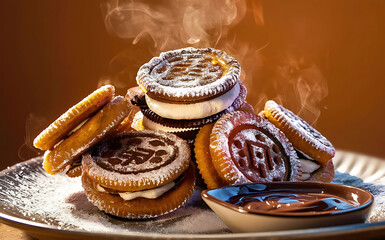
<point x="139" y="174"/>
<point x="62" y="126"/>
<point x="190" y="84"/>
<point x="188" y="75"/>
<point x="96" y="128"/>
<point x="247" y="148"/>
<point x="204" y="160"/>
<point x="128" y="124"/>
<point x="136" y="159"/>
<point x="140" y="208"/>
<point x="193" y="124"/>
<point x="303" y="136"/>
<point x="75" y="169"/>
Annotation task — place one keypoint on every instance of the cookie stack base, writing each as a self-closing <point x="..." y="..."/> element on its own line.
<point x="141" y="208"/>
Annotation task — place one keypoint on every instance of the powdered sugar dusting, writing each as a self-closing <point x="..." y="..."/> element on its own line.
<point x="30" y="193"/>
<point x="246" y="122"/>
<point x="134" y="154"/>
<point x="136" y="160"/>
<point x="310" y="134"/>
<point x="189" y="72"/>
<point x="260" y="155"/>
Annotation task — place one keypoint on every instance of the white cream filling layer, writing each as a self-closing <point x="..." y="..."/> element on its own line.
<point x="308" y="167"/>
<point x="194" y="110"/>
<point x="148" y="124"/>
<point x="150" y="193"/>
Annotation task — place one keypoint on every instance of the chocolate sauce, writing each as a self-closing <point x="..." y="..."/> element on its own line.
<point x="294" y="202"/>
<point x="284" y="198"/>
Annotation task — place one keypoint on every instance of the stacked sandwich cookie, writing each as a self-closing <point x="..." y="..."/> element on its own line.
<point x="244" y="148"/>
<point x="138" y="154"/>
<point x="188" y="88"/>
<point x="125" y="173"/>
<point x="275" y="145"/>
<point x="78" y="129"/>
<point x="315" y="151"/>
<point x="139" y="174"/>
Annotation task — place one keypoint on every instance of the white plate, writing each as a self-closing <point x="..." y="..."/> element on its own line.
<point x="53" y="207"/>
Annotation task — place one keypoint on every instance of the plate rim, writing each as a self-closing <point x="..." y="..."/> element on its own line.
<point x="32" y="227"/>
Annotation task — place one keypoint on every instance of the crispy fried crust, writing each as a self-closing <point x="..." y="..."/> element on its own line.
<point x="97" y="127"/>
<point x="141" y="207"/>
<point x="220" y="150"/>
<point x="62" y="126"/>
<point x="181" y="64"/>
<point x="128" y="122"/>
<point x="203" y="158"/>
<point x="75" y="171"/>
<point x="142" y="180"/>
<point x="246" y="107"/>
<point x="302" y="136"/>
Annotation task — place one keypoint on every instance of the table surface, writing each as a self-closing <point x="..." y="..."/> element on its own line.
<point x="7" y="232"/>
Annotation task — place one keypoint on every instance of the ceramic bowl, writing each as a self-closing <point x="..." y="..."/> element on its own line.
<point x="240" y="220"/>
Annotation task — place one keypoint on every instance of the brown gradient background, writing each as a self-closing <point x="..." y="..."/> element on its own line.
<point x="53" y="53"/>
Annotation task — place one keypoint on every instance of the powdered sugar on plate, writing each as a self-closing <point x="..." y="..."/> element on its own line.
<point x="27" y="192"/>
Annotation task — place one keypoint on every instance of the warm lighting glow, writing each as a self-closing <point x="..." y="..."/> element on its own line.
<point x="295" y="82"/>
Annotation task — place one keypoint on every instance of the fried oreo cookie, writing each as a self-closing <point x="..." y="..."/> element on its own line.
<point x="245" y="148"/>
<point x="62" y="126"/>
<point x="137" y="175"/>
<point x="314" y="150"/>
<point x="188" y="88"/>
<point x="189" y="75"/>
<point x="81" y="127"/>
<point x="187" y="129"/>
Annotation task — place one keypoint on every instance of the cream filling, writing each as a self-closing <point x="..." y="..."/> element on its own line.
<point x="148" y="124"/>
<point x="194" y="110"/>
<point x="308" y="167"/>
<point x="78" y="126"/>
<point x="72" y="131"/>
<point x="150" y="193"/>
<point x="100" y="188"/>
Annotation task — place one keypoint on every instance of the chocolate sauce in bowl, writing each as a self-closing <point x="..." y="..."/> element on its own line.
<point x="294" y="202"/>
<point x="291" y="198"/>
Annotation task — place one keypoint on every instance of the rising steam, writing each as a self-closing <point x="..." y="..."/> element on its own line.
<point x="169" y="25"/>
<point x="302" y="83"/>
<point x="156" y="26"/>
<point x="173" y="24"/>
